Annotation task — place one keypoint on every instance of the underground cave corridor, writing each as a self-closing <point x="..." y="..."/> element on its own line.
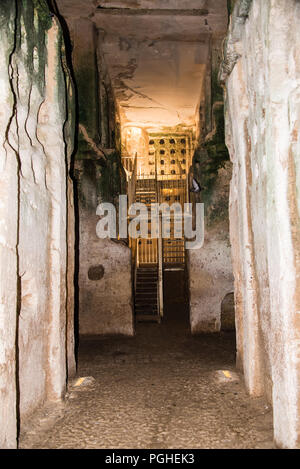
<point x="125" y="341"/>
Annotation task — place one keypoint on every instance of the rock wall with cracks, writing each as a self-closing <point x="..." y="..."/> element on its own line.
<point x="104" y="265"/>
<point x="36" y="131"/>
<point x="210" y="267"/>
<point x="105" y="283"/>
<point x="262" y="133"/>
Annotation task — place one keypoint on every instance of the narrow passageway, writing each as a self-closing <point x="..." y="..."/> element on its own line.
<point x="149" y="224"/>
<point x="161" y="389"/>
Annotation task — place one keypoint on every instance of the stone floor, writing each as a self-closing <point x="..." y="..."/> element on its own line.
<point x="160" y="389"/>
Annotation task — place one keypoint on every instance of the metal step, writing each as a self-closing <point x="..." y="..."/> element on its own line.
<point x="148" y="318"/>
<point x="146" y="307"/>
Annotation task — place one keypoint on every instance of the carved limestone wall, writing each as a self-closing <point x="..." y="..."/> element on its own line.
<point x="262" y="128"/>
<point x="36" y="146"/>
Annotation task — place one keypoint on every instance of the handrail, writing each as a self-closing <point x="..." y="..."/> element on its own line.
<point x="132" y="183"/>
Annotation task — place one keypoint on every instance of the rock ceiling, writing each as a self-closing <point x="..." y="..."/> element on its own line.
<point x="157" y="53"/>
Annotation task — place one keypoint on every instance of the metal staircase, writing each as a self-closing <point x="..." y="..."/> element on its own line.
<point x="146" y="294"/>
<point x="151" y="257"/>
<point x="147" y="306"/>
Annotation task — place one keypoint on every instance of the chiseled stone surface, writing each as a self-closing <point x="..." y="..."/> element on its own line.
<point x="105" y="301"/>
<point x="263" y="121"/>
<point x="161" y="389"/>
<point x="210" y="267"/>
<point x="210" y="280"/>
<point x="33" y="244"/>
<point x="157" y="63"/>
<point x="8" y="239"/>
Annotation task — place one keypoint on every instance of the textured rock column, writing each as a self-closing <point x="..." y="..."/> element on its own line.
<point x="52" y="116"/>
<point x="104" y="278"/>
<point x="8" y="237"/>
<point x="210" y="268"/>
<point x="105" y="286"/>
<point x="34" y="157"/>
<point x="262" y="70"/>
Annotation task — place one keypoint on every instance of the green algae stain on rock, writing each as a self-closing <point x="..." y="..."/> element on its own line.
<point x="42" y="9"/>
<point x="208" y="162"/>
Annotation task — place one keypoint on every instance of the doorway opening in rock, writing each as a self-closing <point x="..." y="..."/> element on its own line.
<point x="176" y="300"/>
<point x="158" y="177"/>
